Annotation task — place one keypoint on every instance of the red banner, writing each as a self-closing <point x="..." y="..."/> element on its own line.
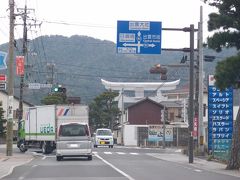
<point x="20" y="65"/>
<point x="195" y="128"/>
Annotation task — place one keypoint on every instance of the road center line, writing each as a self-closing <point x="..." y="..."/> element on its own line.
<point x="114" y="167"/>
<point x="197" y="170"/>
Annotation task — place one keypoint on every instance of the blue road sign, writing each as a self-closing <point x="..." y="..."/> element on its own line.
<point x="220" y="120"/>
<point x="139" y="37"/>
<point x="3" y="57"/>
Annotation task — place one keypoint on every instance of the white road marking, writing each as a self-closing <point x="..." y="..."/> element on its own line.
<point x="197" y="170"/>
<point x="120" y="153"/>
<point x="107" y="152"/>
<point x="34" y="166"/>
<point x="115" y="168"/>
<point x="178" y="150"/>
<point x="134" y="153"/>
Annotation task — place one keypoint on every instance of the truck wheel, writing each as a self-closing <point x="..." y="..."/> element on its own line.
<point x="90" y="157"/>
<point x="44" y="148"/>
<point x="22" y="147"/>
<point x="59" y="158"/>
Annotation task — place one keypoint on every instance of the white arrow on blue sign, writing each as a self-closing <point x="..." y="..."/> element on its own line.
<point x="3" y="57"/>
<point x="139" y="37"/>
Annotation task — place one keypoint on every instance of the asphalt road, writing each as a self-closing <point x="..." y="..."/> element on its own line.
<point x="114" y="164"/>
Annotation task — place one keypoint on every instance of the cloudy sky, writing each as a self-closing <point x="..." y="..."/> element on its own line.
<point x="98" y="18"/>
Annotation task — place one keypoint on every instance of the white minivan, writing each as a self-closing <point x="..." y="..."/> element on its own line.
<point x="73" y="140"/>
<point x="103" y="137"/>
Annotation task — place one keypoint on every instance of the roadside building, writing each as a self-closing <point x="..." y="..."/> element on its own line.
<point x="4" y="101"/>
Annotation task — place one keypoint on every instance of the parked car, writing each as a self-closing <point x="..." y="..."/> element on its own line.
<point x="74" y="140"/>
<point x="103" y="137"/>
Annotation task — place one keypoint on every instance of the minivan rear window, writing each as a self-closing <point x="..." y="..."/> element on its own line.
<point x="73" y="130"/>
<point x="104" y="132"/>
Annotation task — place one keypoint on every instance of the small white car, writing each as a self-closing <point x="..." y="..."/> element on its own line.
<point x="103" y="137"/>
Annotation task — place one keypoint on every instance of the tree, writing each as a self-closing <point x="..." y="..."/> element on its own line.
<point x="54" y="98"/>
<point x="2" y="122"/>
<point x="226" y="23"/>
<point x="103" y="111"/>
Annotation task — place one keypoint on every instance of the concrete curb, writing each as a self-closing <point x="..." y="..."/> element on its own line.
<point x="8" y="163"/>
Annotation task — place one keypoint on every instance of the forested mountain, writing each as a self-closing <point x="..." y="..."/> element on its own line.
<point x="79" y="62"/>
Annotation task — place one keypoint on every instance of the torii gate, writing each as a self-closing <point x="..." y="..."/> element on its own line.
<point x="139" y="88"/>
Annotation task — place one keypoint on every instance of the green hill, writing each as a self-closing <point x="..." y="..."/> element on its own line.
<point x="79" y="62"/>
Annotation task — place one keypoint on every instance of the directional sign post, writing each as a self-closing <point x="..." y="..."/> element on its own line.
<point x="3" y="56"/>
<point x="139" y="37"/>
<point x="38" y="86"/>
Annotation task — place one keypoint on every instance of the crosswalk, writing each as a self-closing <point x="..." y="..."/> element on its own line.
<point x="119" y="153"/>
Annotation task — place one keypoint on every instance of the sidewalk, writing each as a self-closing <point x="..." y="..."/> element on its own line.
<point x="198" y="163"/>
<point x="7" y="163"/>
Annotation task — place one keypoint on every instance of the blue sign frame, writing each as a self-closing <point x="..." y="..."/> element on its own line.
<point x="220" y="120"/>
<point x="139" y="37"/>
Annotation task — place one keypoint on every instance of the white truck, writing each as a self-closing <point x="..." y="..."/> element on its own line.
<point x="40" y="125"/>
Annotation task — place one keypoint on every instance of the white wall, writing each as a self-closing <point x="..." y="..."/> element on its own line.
<point x="130" y="135"/>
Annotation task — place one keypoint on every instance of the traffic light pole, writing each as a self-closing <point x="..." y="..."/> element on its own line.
<point x="191" y="84"/>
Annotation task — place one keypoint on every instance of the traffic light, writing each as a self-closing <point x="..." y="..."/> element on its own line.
<point x="208" y="58"/>
<point x="55" y="89"/>
<point x="59" y="89"/>
<point x="183" y="60"/>
<point x="158" y="69"/>
<point x="164" y="115"/>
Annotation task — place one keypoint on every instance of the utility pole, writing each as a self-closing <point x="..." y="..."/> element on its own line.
<point x="122" y="93"/>
<point x="191" y="94"/>
<point x="24" y="52"/>
<point x="10" y="83"/>
<point x="164" y="127"/>
<point x="200" y="107"/>
<point x="50" y="67"/>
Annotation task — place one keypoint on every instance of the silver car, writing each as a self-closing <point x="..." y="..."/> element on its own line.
<point x="73" y="140"/>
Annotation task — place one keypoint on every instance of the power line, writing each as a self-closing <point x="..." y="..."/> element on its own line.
<point x="76" y="75"/>
<point x="97" y="68"/>
<point x="76" y="24"/>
